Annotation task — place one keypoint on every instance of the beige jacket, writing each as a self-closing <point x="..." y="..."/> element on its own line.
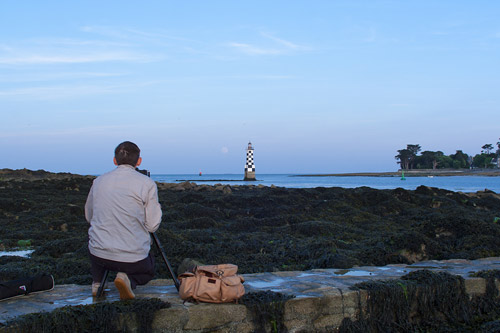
<point x="122" y="208"/>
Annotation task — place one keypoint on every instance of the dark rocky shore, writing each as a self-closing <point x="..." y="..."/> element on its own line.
<point x="258" y="228"/>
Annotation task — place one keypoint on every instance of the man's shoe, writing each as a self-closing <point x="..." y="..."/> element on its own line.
<point x="95" y="288"/>
<point x="122" y="283"/>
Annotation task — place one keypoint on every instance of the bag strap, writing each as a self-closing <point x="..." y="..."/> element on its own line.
<point x="216" y="271"/>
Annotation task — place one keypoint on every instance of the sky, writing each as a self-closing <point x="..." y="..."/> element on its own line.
<point x="316" y="86"/>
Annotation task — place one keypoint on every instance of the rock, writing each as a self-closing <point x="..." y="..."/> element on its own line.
<point x="188" y="265"/>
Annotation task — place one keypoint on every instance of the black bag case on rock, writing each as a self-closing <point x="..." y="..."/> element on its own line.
<point x="40" y="282"/>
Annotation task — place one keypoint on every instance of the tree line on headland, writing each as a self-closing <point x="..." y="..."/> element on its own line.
<point x="409" y="158"/>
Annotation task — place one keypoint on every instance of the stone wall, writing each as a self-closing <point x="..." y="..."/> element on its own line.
<point x="325" y="301"/>
<point x="303" y="314"/>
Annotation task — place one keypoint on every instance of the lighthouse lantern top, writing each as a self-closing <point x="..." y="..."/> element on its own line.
<point x="250" y="146"/>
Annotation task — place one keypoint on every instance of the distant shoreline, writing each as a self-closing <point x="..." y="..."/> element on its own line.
<point x="414" y="173"/>
<point x="214" y="180"/>
<point x="26" y="174"/>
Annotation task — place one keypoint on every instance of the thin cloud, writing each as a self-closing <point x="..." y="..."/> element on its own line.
<point x="63" y="132"/>
<point x="37" y="59"/>
<point x="47" y="51"/>
<point x="55" y="92"/>
<point x="254" y="50"/>
<point x="280" y="46"/>
<point x="133" y="34"/>
<point x="71" y="42"/>
<point x="65" y="91"/>
<point x="53" y="76"/>
<point x="283" y="42"/>
<point x="105" y="31"/>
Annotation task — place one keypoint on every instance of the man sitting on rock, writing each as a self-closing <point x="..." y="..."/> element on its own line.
<point x="123" y="209"/>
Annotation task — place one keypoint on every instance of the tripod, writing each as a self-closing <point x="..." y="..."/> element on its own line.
<point x="160" y="248"/>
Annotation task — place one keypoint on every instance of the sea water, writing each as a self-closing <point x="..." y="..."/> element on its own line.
<point x="17" y="253"/>
<point x="455" y="183"/>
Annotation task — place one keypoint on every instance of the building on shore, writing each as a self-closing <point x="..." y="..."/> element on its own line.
<point x="249" y="166"/>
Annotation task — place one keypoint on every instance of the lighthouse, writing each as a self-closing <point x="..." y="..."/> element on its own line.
<point x="249" y="166"/>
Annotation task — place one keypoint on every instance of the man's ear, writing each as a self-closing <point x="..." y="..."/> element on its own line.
<point x="114" y="161"/>
<point x="139" y="161"/>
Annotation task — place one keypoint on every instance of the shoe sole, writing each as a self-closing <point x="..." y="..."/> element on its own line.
<point x="124" y="289"/>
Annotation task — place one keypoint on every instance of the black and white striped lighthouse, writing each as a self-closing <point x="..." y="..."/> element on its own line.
<point x="249" y="166"/>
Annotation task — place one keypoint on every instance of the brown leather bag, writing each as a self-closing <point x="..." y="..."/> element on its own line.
<point x="212" y="283"/>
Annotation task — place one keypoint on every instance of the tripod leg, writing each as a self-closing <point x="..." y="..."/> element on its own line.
<point x="171" y="271"/>
<point x="100" y="291"/>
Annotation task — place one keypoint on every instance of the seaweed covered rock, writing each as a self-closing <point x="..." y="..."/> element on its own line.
<point x="98" y="317"/>
<point x="425" y="301"/>
<point x="267" y="308"/>
<point x="257" y="228"/>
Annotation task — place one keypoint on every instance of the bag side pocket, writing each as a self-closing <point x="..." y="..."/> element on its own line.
<point x="187" y="285"/>
<point x="232" y="288"/>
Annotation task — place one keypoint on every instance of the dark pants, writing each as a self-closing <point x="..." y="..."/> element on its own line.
<point x="139" y="273"/>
